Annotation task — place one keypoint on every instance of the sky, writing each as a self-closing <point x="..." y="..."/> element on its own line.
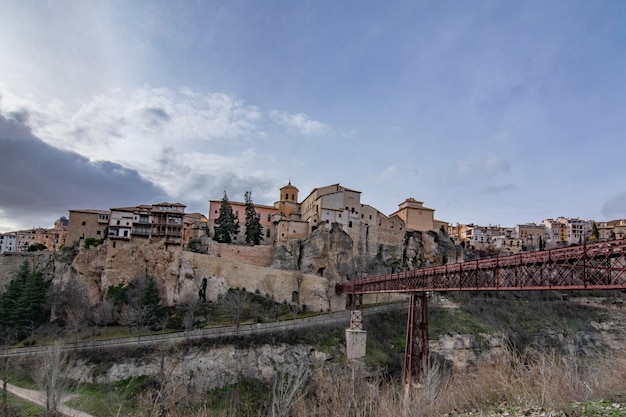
<point x="495" y="112"/>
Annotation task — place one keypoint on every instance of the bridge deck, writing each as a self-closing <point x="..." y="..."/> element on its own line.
<point x="599" y="265"/>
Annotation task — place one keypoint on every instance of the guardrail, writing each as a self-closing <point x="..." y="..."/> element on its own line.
<point x="203" y="334"/>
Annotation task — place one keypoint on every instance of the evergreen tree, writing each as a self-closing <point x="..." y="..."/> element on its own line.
<point x="24" y="303"/>
<point x="151" y="302"/>
<point x="254" y="230"/>
<point x="226" y="225"/>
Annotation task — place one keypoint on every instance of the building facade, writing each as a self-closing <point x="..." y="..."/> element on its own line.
<point x="85" y="224"/>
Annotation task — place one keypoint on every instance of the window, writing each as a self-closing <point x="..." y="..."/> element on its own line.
<point x="83" y="223"/>
<point x="340" y="215"/>
<point x="267" y="232"/>
<point x="98" y="232"/>
<point x="269" y="217"/>
<point x="350" y="223"/>
<point x="293" y="197"/>
<point x="391" y="225"/>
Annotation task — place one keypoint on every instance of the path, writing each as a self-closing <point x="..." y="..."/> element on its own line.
<point x="39" y="398"/>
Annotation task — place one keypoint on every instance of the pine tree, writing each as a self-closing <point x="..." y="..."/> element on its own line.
<point x="226" y="225"/>
<point x="24" y="302"/>
<point x="254" y="230"/>
<point x="151" y="302"/>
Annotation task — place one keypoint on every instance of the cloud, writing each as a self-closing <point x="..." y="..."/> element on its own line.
<point x="125" y="127"/>
<point x="394" y="171"/>
<point x="498" y="189"/>
<point x="615" y="206"/>
<point x="300" y="122"/>
<point x="195" y="177"/>
<point x="43" y="182"/>
<point x="490" y="166"/>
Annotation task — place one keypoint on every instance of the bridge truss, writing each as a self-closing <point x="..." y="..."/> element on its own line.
<point x="596" y="266"/>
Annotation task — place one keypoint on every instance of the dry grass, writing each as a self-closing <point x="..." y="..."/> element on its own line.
<point x="534" y="379"/>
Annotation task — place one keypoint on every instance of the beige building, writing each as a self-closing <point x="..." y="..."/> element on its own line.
<point x="195" y="225"/>
<point x="166" y="223"/>
<point x="415" y="216"/>
<point x="288" y="219"/>
<point x="613" y="229"/>
<point x="531" y="234"/>
<point x="84" y="224"/>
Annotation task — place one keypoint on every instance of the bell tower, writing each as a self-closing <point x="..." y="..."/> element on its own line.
<point x="288" y="201"/>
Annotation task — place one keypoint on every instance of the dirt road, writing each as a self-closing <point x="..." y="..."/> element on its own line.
<point x="39" y="398"/>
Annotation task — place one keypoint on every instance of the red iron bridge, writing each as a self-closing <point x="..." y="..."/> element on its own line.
<point x="595" y="266"/>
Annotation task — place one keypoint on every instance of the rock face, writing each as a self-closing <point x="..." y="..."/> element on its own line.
<point x="333" y="254"/>
<point x="197" y="368"/>
<point x="179" y="274"/>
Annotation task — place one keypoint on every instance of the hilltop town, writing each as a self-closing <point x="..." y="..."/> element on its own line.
<point x="289" y="218"/>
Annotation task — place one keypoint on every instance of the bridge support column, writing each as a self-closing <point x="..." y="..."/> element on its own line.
<point x="356" y="337"/>
<point x="416" y="357"/>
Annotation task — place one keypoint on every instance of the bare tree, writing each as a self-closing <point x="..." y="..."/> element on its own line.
<point x="287" y="389"/>
<point x="48" y="377"/>
<point x="75" y="318"/>
<point x="269" y="285"/>
<point x="7" y="341"/>
<point x="234" y="303"/>
<point x="102" y="314"/>
<point x="326" y="293"/>
<point x="298" y="279"/>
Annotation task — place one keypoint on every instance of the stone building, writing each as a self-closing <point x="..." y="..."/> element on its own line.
<point x="163" y="221"/>
<point x="85" y="224"/>
<point x="289" y="219"/>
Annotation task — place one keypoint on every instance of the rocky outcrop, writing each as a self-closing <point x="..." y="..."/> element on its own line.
<point x="197" y="368"/>
<point x="331" y="253"/>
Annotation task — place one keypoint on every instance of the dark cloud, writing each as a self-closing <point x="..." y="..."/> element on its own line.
<point x="615" y="207"/>
<point x="200" y="186"/>
<point x="154" y="117"/>
<point x="41" y="182"/>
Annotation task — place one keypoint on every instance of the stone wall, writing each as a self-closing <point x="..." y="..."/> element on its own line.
<point x="260" y="255"/>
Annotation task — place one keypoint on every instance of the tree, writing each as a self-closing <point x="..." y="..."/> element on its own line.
<point x="24" y="303"/>
<point x="36" y="247"/>
<point x="595" y="233"/>
<point x="150" y="303"/>
<point x="49" y="378"/>
<point x="234" y="303"/>
<point x="298" y="279"/>
<point x="226" y="224"/>
<point x="254" y="230"/>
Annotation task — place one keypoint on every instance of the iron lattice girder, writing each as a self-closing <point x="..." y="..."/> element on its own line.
<point x="594" y="266"/>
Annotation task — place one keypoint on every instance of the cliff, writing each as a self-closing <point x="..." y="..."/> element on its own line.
<point x="327" y="257"/>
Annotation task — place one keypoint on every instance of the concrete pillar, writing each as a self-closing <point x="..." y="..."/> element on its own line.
<point x="356" y="337"/>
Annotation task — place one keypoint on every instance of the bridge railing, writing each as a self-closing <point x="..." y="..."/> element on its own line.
<point x="598" y="265"/>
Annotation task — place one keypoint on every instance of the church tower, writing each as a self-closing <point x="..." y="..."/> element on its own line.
<point x="288" y="204"/>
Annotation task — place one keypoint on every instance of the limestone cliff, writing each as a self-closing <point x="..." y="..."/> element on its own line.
<point x="328" y="256"/>
<point x="332" y="253"/>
